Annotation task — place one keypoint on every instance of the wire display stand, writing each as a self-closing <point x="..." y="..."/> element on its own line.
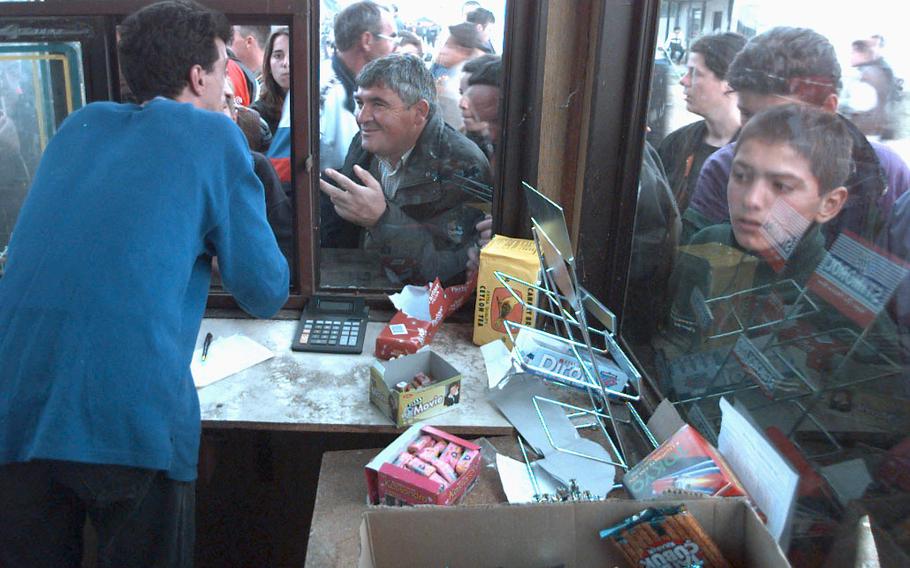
<point x="760" y="360"/>
<point x="581" y="330"/>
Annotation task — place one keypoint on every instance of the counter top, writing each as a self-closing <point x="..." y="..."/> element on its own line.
<point x="330" y="393"/>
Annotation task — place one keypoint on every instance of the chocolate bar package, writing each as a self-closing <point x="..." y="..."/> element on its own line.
<point x="684" y="463"/>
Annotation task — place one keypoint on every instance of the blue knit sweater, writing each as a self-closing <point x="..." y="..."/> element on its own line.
<point x="107" y="277"/>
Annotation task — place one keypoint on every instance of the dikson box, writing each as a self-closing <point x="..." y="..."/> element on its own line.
<point x="406" y="408"/>
<point x="546" y="534"/>
<point x="390" y="484"/>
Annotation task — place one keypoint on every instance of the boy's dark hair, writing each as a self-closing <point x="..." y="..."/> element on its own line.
<point x="488" y="74"/>
<point x="718" y="50"/>
<point x="161" y="42"/>
<point x="473" y="65"/>
<point x="481" y="16"/>
<point x="354" y="20"/>
<point x="261" y="33"/>
<point x="406" y="75"/>
<point x="787" y="61"/>
<point x="817" y="135"/>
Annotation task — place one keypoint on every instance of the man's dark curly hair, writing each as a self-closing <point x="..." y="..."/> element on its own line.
<point x="787" y="61"/>
<point x="161" y="42"/>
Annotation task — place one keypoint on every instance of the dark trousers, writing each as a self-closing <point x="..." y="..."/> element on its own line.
<point x="141" y="517"/>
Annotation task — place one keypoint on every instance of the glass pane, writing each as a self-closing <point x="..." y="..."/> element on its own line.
<point x="40" y="84"/>
<point x="772" y="239"/>
<point x="425" y="150"/>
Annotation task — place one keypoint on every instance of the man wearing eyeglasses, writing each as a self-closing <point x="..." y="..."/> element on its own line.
<point x="364" y="31"/>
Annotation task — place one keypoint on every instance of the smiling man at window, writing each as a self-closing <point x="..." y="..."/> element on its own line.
<point x="412" y="172"/>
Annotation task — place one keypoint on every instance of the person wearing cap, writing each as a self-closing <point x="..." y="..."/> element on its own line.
<point x="463" y="44"/>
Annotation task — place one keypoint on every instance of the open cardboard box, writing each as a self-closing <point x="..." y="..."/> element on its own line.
<point x="385" y="480"/>
<point x="545" y="535"/>
<point x="405" y="408"/>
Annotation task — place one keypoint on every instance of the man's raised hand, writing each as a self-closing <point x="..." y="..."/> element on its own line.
<point x="360" y="204"/>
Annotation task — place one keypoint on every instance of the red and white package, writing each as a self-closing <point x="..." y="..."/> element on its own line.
<point x="421" y="310"/>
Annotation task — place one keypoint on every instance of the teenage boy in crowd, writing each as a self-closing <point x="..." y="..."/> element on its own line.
<point x="793" y="159"/>
<point x="797" y="65"/>
<point x="103" y="295"/>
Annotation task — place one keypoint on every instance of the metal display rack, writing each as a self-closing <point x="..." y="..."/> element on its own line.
<point x="770" y="369"/>
<point x="583" y="330"/>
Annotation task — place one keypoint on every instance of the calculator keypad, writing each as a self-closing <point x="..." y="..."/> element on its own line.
<point x="342" y="333"/>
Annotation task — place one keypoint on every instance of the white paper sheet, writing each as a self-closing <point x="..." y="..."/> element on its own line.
<point x="226" y="356"/>
<point x="413" y="301"/>
<point x="516" y="482"/>
<point x="497" y="360"/>
<point x="768" y="478"/>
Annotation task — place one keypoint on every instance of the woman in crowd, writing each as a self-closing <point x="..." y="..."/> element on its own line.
<point x="276" y="78"/>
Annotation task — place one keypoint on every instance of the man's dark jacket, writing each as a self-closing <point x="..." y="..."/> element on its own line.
<point x="428" y="226"/>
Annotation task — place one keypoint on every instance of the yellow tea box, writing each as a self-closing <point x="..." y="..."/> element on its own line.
<point x="494" y="305"/>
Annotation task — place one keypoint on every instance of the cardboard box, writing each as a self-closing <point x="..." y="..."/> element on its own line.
<point x="387" y="483"/>
<point x="545" y="534"/>
<point x="421" y="310"/>
<point x="494" y="304"/>
<point x="405" y="408"/>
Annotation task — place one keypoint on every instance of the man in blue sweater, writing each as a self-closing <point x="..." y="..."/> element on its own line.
<point x="102" y="298"/>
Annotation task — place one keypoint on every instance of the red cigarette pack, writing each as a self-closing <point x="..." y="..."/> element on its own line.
<point x="405" y="334"/>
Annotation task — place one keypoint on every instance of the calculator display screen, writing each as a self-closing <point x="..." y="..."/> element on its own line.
<point x="329" y="306"/>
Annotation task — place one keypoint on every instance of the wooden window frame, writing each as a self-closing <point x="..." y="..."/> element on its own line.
<point x="522" y="83"/>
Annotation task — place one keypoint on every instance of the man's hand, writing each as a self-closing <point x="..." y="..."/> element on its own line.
<point x="485" y="232"/>
<point x="360" y="204"/>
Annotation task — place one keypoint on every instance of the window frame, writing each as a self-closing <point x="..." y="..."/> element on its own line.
<point x="525" y="25"/>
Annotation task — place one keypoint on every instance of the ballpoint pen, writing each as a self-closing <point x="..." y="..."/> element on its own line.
<point x="205" y="345"/>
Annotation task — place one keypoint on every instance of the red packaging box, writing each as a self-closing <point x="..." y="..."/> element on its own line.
<point x="685" y="462"/>
<point x="404" y="334"/>
<point x="387" y="482"/>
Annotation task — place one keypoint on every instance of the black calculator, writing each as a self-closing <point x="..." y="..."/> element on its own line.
<point x="332" y="325"/>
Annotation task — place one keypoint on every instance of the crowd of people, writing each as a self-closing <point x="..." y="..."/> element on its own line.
<point x="405" y="148"/>
<point x="777" y="199"/>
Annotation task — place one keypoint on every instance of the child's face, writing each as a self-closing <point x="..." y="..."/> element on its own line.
<point x="764" y="173"/>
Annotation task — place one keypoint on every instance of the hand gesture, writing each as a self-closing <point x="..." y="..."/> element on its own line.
<point x="485" y="233"/>
<point x="360" y="204"/>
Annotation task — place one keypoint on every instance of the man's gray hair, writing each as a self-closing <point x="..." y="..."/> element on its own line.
<point x="406" y="75"/>
<point x="353" y="21"/>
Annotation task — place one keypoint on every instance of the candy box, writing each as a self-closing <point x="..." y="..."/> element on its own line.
<point x="685" y="462"/>
<point x="417" y="403"/>
<point x="421" y="310"/>
<point x="546" y="534"/>
<point x="392" y="484"/>
<point x="494" y="304"/>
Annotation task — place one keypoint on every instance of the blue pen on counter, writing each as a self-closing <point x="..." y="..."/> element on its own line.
<point x="205" y="345"/>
